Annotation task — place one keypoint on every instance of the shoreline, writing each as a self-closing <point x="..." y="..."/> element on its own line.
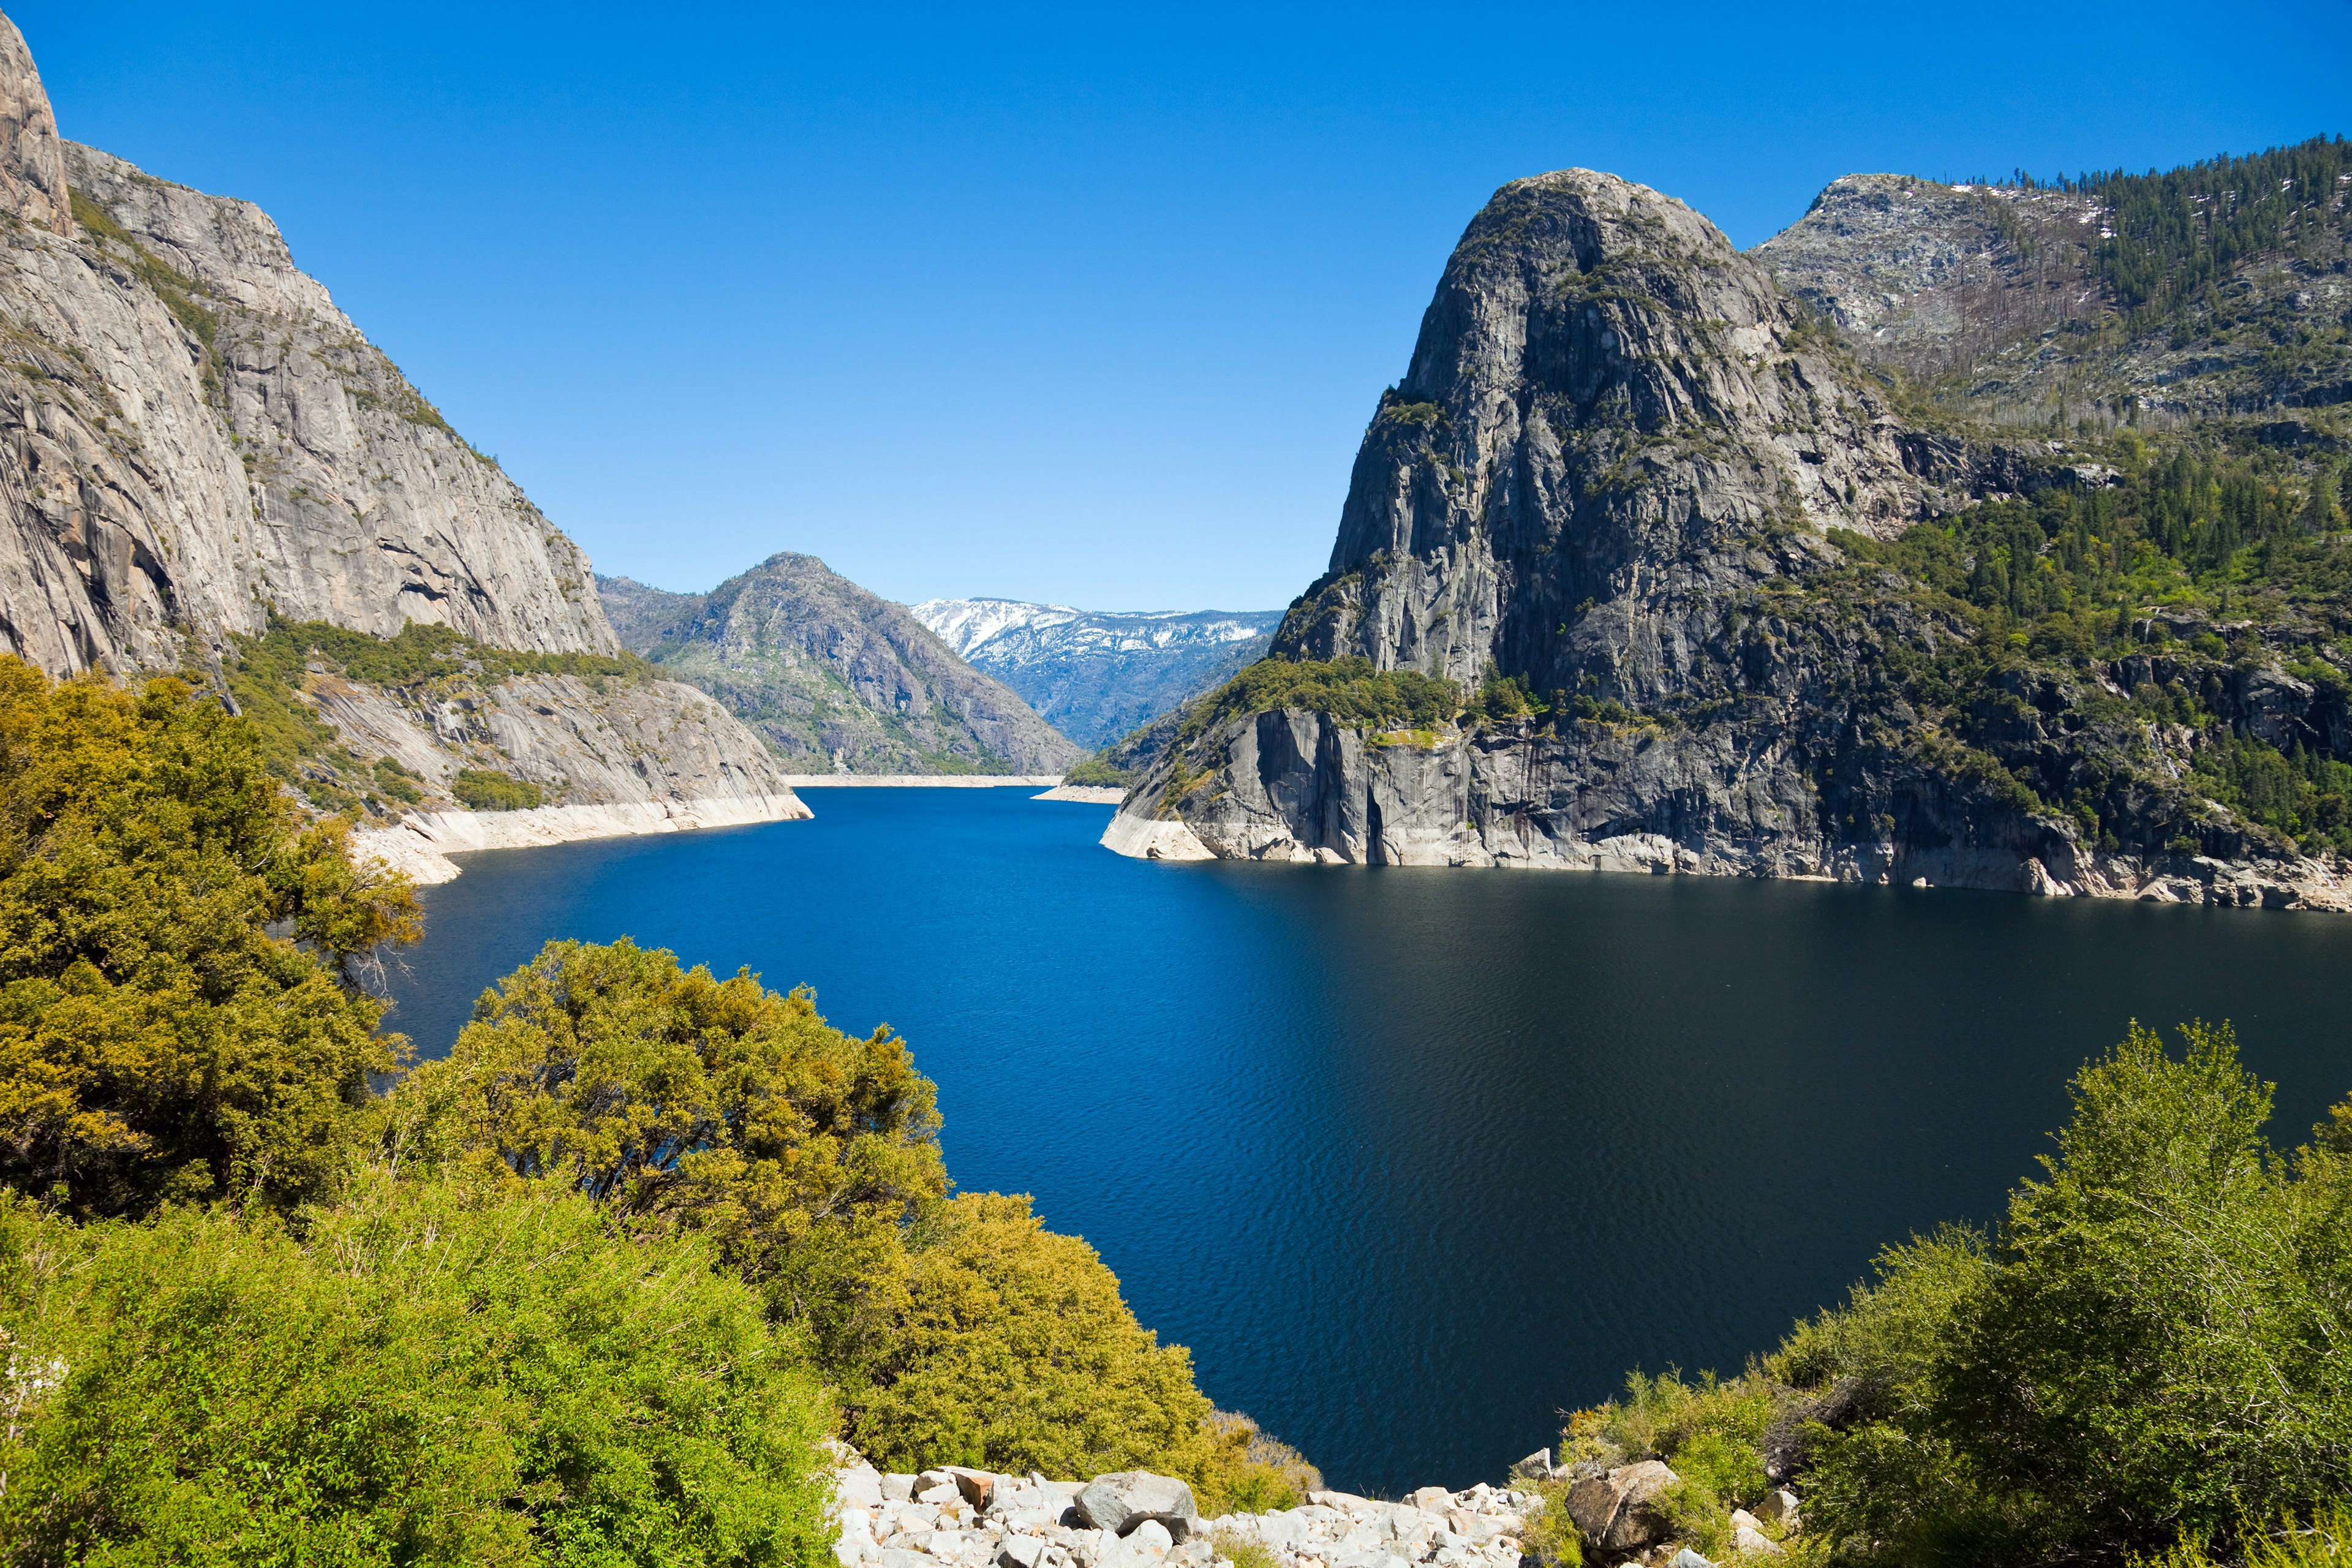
<point x="422" y="842"/>
<point x="922" y="780"/>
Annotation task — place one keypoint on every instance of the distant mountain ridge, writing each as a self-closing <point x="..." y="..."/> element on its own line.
<point x="1098" y="675"/>
<point x="834" y="679"/>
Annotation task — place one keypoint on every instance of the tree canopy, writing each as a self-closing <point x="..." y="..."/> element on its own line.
<point x="179" y="1015"/>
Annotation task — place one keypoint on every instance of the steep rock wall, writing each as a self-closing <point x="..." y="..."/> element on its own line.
<point x="1610" y="473"/>
<point x="192" y="433"/>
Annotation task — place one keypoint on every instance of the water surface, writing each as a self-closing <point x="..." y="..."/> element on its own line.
<point x="1414" y="1159"/>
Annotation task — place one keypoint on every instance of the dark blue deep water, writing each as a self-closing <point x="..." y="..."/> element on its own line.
<point x="1415" y="1159"/>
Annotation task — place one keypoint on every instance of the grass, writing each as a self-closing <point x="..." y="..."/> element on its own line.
<point x="1242" y="1553"/>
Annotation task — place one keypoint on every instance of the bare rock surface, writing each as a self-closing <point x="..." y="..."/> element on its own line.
<point x="32" y="159"/>
<point x="974" y="1519"/>
<point x="1993" y="289"/>
<point x="1615" y="472"/>
<point x="193" y="437"/>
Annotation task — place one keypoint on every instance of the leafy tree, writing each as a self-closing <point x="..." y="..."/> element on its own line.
<point x="157" y="1040"/>
<point x="2153" y="1349"/>
<point x="808" y="1158"/>
<point x="430" y="1374"/>
<point x="1014" y="1351"/>
<point x="716" y="1106"/>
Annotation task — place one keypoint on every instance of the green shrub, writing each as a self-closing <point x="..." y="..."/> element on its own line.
<point x="425" y="1375"/>
<point x="485" y="791"/>
<point x="1349" y="690"/>
<point x="396" y="781"/>
<point x="956" y="1331"/>
<point x="2146" y="1354"/>
<point x="156" y="1042"/>
<point x="1096" y="772"/>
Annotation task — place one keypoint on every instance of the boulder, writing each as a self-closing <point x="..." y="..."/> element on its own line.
<point x="1686" y="1558"/>
<point x="1779" y="1507"/>
<point x="859" y="1487"/>
<point x="897" y="1488"/>
<point x="1536" y="1467"/>
<point x="1019" y="1552"/>
<point x="1434" y="1499"/>
<point x="1754" y="1542"/>
<point x="977" y="1485"/>
<point x="1613" y="1511"/>
<point x="1124" y="1500"/>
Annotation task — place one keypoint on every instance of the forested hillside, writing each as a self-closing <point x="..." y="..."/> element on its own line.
<point x="2096" y="638"/>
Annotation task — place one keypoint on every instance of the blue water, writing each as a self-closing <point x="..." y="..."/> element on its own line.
<point x="1416" y="1160"/>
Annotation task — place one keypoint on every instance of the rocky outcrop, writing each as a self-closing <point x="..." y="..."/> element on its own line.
<point x="1612" y="477"/>
<point x="195" y="435"/>
<point x="834" y="679"/>
<point x="1133" y="1520"/>
<point x="1098" y="675"/>
<point x="32" y="159"/>
<point x="420" y="844"/>
<point x="194" y="440"/>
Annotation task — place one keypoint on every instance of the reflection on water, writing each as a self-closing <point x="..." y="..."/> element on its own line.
<point x="1416" y="1159"/>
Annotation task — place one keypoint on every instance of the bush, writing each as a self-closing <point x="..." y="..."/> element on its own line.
<point x="1014" y="1352"/>
<point x="485" y="791"/>
<point x="2146" y="1354"/>
<point x="1349" y="690"/>
<point x="156" y="1042"/>
<point x="1096" y="772"/>
<point x="428" y="1377"/>
<point x="956" y="1331"/>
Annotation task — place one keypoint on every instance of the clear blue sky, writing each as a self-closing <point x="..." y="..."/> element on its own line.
<point x="1086" y="305"/>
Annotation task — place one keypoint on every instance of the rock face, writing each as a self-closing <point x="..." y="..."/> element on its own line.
<point x="193" y="437"/>
<point x="1992" y="291"/>
<point x="1100" y="675"/>
<point x="834" y="679"/>
<point x="1614" y="433"/>
<point x="32" y="160"/>
<point x="1610" y="475"/>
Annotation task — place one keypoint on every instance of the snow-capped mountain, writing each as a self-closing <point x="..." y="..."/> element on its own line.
<point x="1097" y="675"/>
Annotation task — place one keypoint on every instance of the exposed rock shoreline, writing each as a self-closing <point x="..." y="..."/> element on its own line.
<point x="421" y="845"/>
<point x="954" y="1517"/>
<point x="1303" y="787"/>
<point x="972" y="1518"/>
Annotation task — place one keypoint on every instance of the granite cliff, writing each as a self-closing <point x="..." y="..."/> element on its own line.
<point x="197" y="445"/>
<point x="834" y="679"/>
<point x="1097" y="675"/>
<point x="1634" y="573"/>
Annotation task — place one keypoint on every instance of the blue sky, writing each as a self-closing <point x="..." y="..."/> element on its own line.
<point x="1087" y="305"/>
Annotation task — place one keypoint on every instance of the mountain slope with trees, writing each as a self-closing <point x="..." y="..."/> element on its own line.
<point x="834" y="679"/>
<point x="2075" y="631"/>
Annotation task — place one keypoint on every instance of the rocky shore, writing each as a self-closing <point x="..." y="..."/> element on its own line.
<point x="1135" y="1519"/>
<point x="421" y="843"/>
<point x="953" y="1517"/>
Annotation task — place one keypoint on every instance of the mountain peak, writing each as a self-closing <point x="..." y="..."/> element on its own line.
<point x="32" y="158"/>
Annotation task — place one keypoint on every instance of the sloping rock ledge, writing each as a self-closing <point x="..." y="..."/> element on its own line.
<point x="424" y="841"/>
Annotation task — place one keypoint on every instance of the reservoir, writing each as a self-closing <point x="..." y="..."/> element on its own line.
<point x="1417" y="1160"/>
